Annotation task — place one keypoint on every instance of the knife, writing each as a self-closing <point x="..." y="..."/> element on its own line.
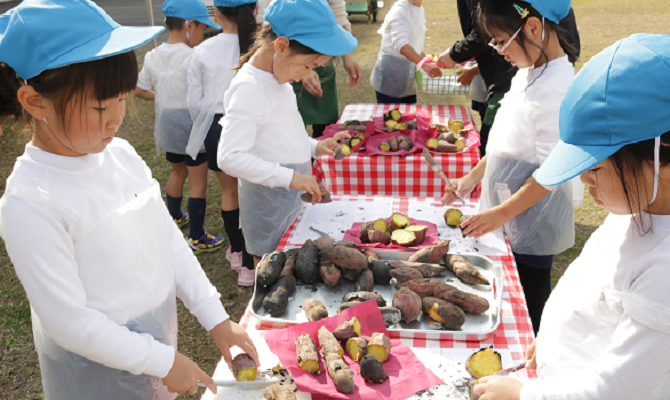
<point x="250" y="385"/>
<point x="323" y="233"/>
<point x="436" y="168"/>
<point x="508" y="371"/>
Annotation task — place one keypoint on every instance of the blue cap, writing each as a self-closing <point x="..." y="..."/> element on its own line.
<point x="189" y="10"/>
<point x="311" y="23"/>
<point x="232" y="3"/>
<point x="621" y="96"/>
<point x="38" y="35"/>
<point x="553" y="10"/>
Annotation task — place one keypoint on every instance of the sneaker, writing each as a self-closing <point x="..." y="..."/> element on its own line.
<point x="183" y="220"/>
<point x="246" y="276"/>
<point x="206" y="243"/>
<point x="235" y="259"/>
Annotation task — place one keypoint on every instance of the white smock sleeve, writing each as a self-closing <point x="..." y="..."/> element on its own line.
<point x="50" y="277"/>
<point x="312" y="144"/>
<point x="635" y="362"/>
<point x="144" y="79"/>
<point x="399" y="28"/>
<point x="340" y="10"/>
<point x="195" y="87"/>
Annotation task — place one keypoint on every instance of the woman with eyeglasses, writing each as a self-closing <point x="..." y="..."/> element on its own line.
<point x="538" y="220"/>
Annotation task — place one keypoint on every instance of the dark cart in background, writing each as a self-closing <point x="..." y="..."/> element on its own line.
<point x="367" y="7"/>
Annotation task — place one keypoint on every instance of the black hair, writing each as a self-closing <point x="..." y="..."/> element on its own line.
<point x="177" y="24"/>
<point x="629" y="163"/>
<point x="246" y="23"/>
<point x="502" y="15"/>
<point x="266" y="37"/>
<point x="70" y="85"/>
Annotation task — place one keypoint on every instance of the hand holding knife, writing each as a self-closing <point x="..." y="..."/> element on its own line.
<point x="436" y="168"/>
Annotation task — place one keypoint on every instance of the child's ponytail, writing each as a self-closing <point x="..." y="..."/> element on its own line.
<point x="246" y="23"/>
<point x="9" y="102"/>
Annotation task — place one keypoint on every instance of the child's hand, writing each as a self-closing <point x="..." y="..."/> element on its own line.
<point x="353" y="69"/>
<point x="530" y="356"/>
<point x="484" y="222"/>
<point x="313" y="84"/>
<point x="467" y="75"/>
<point x="461" y="186"/>
<point x="228" y="334"/>
<point x="445" y="60"/>
<point x="308" y="184"/>
<point x="432" y="70"/>
<point x="327" y="146"/>
<point x="185" y="375"/>
<point x="498" y="388"/>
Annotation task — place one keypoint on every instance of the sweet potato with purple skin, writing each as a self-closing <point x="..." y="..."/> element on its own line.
<point x="342" y="151"/>
<point x="380" y="270"/>
<point x="340" y="373"/>
<point x="427" y="270"/>
<point x="403" y="275"/>
<point x="348" y="304"/>
<point x="405" y="143"/>
<point x="403" y="237"/>
<point x="468" y="302"/>
<point x="409" y="304"/>
<point x="328" y="343"/>
<point x="393" y="143"/>
<point x="384" y="146"/>
<point x="330" y="274"/>
<point x="350" y="274"/>
<point x="420" y="231"/>
<point x="431" y="254"/>
<point x="346" y="257"/>
<point x="379" y="346"/>
<point x="289" y="265"/>
<point x="450" y="137"/>
<point x="324" y="243"/>
<point x="464" y="270"/>
<point x="307" y="263"/>
<point x="443" y="312"/>
<point x="279" y="391"/>
<point x="366" y="281"/>
<point x="244" y="368"/>
<point x="357" y="348"/>
<point x="378" y="236"/>
<point x="372" y="370"/>
<point x="325" y="197"/>
<point x="276" y="300"/>
<point x="346" y="243"/>
<point x="348" y="330"/>
<point x="307" y="356"/>
<point x="399" y="221"/>
<point x="364" y="296"/>
<point x="391" y="315"/>
<point x="363" y="233"/>
<point x="270" y="267"/>
<point x="315" y="310"/>
<point x="422" y="287"/>
<point x="453" y="217"/>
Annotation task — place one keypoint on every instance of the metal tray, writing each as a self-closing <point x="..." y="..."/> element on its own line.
<point x="476" y="327"/>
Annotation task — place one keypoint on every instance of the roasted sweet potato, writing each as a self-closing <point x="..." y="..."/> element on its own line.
<point x="276" y="299"/>
<point x="346" y="257"/>
<point x="325" y="197"/>
<point x="366" y="281"/>
<point x="392" y="115"/>
<point x="381" y="272"/>
<point x="384" y="146"/>
<point x="447" y="314"/>
<point x="468" y="302"/>
<point x="315" y="310"/>
<point x="346" y="243"/>
<point x="372" y="370"/>
<point x="422" y="287"/>
<point x="363" y="235"/>
<point x="463" y="219"/>
<point x="289" y="265"/>
<point x="380" y="225"/>
<point x="393" y="143"/>
<point x="484" y="362"/>
<point x="307" y="263"/>
<point x="455" y="125"/>
<point x="307" y="356"/>
<point x="379" y="237"/>
<point x="346" y="141"/>
<point x="328" y="343"/>
<point x="426" y="270"/>
<point x="357" y="348"/>
<point x="340" y="373"/>
<point x="403" y="275"/>
<point x="324" y="243"/>
<point x="460" y="144"/>
<point x="364" y="296"/>
<point x="391" y="315"/>
<point x="405" y="143"/>
<point x="355" y="142"/>
<point x="348" y="304"/>
<point x="330" y="274"/>
<point x="279" y="391"/>
<point x="431" y="254"/>
<point x="403" y="237"/>
<point x="342" y="151"/>
<point x="420" y="231"/>
<point x="453" y="217"/>
<point x="409" y="304"/>
<point x="464" y="270"/>
<point x="379" y="346"/>
<point x="411" y="124"/>
<point x="448" y="136"/>
<point x="350" y="274"/>
<point x="348" y="329"/>
<point x="270" y="267"/>
<point x="244" y="368"/>
<point x="399" y="221"/>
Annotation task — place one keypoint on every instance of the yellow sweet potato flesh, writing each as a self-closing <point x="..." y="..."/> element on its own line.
<point x="381" y="225"/>
<point x="485" y="362"/>
<point x="384" y="146"/>
<point x="460" y="144"/>
<point x="379" y="346"/>
<point x="453" y="217"/>
<point x="456" y="125"/>
<point x="432" y="143"/>
<point x="403" y="237"/>
<point x="399" y="221"/>
<point x="355" y="142"/>
<point x="356" y="348"/>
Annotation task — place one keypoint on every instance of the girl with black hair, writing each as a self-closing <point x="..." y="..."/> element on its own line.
<point x="538" y="220"/>
<point x="209" y="76"/>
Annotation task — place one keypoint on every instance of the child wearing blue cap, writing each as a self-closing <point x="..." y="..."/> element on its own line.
<point x="110" y="262"/>
<point x="403" y="35"/>
<point x="209" y="76"/>
<point x="538" y="220"/>
<point x="165" y="69"/>
<point x="263" y="139"/>
<point x="606" y="327"/>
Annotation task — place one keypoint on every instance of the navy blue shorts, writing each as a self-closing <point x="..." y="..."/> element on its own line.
<point x="212" y="143"/>
<point x="175" y="158"/>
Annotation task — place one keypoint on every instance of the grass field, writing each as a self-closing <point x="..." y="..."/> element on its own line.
<point x="601" y="22"/>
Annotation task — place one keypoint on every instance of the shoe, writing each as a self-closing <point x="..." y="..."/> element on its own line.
<point x="183" y="220"/>
<point x="206" y="243"/>
<point x="246" y="276"/>
<point x="235" y="259"/>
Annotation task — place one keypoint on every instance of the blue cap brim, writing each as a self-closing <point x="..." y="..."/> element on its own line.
<point x="117" y="41"/>
<point x="566" y="161"/>
<point x="209" y="22"/>
<point x="338" y="44"/>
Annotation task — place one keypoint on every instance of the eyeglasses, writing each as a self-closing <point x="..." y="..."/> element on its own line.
<point x="501" y="49"/>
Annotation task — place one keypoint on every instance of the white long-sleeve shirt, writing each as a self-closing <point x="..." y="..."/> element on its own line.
<point x="68" y="296"/>
<point x="262" y="130"/>
<point x="605" y="331"/>
<point x="340" y="10"/>
<point x="404" y="24"/>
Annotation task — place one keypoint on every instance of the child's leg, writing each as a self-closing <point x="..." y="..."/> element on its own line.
<point x="199" y="240"/>
<point x="535" y="276"/>
<point x="175" y="185"/>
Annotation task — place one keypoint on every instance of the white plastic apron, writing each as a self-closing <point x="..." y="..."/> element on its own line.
<point x="173" y="121"/>
<point x="137" y="291"/>
<point x="218" y="77"/>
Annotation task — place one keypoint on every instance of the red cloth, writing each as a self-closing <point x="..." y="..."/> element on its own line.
<point x="430" y="239"/>
<point x="372" y="145"/>
<point x="402" y="367"/>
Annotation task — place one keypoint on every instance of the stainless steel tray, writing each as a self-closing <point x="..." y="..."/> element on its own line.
<point x="476" y="327"/>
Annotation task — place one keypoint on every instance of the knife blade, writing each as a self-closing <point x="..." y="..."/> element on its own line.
<point x="323" y="234"/>
<point x="436" y="168"/>
<point x="250" y="385"/>
<point x="508" y="371"/>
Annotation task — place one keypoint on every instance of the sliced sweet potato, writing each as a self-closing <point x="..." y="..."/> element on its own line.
<point x="270" y="267"/>
<point x="455" y="125"/>
<point x="330" y="274"/>
<point x="399" y="221"/>
<point x="307" y="263"/>
<point x="445" y="313"/>
<point x="350" y="274"/>
<point x="340" y="373"/>
<point x="307" y="356"/>
<point x="422" y="287"/>
<point x="381" y="225"/>
<point x="432" y="143"/>
<point x="393" y="143"/>
<point x="405" y="143"/>
<point x="460" y="144"/>
<point x="244" y="368"/>
<point x="391" y="315"/>
<point x="379" y="237"/>
<point x="403" y="237"/>
<point x="346" y="257"/>
<point x="427" y="270"/>
<point x="372" y="370"/>
<point x="325" y="197"/>
<point x="468" y="302"/>
<point x="431" y="254"/>
<point x="279" y="391"/>
<point x="379" y="346"/>
<point x="342" y="151"/>
<point x="289" y="265"/>
<point x="453" y="217"/>
<point x="463" y="219"/>
<point x="315" y="310"/>
<point x="357" y="348"/>
<point x="448" y="136"/>
<point x="484" y="362"/>
<point x="355" y="142"/>
<point x="403" y="275"/>
<point x="324" y="243"/>
<point x="348" y="330"/>
<point x="445" y="147"/>
<point x="409" y="304"/>
<point x="327" y="342"/>
<point x="420" y="231"/>
<point x="366" y="281"/>
<point x="363" y="235"/>
<point x="384" y="146"/>
<point x="392" y="115"/>
<point x="364" y="296"/>
<point x="464" y="270"/>
<point x="276" y="299"/>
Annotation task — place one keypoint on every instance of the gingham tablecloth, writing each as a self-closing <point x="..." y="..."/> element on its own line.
<point x="392" y="175"/>
<point x="515" y="332"/>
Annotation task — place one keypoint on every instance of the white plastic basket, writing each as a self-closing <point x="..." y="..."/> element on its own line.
<point x="446" y="84"/>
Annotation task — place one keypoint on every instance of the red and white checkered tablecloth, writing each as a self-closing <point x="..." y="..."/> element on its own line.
<point x="515" y="332"/>
<point x="407" y="176"/>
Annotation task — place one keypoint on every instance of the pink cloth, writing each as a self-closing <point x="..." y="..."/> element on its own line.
<point x="372" y="146"/>
<point x="471" y="139"/>
<point x="430" y="239"/>
<point x="407" y="375"/>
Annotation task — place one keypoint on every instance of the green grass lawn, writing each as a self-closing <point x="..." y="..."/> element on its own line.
<point x="601" y="22"/>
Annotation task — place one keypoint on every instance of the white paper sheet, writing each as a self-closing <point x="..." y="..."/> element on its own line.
<point x="337" y="217"/>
